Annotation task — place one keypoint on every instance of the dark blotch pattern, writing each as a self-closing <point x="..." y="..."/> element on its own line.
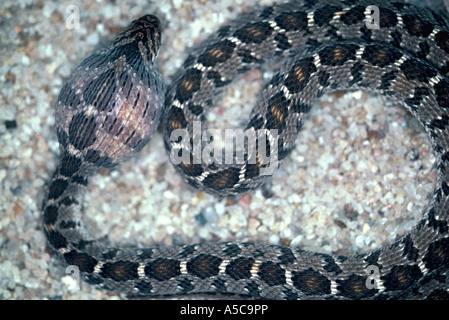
<point x="415" y="70"/>
<point x="252" y="171"/>
<point x="416" y="26"/>
<point x="217" y="53"/>
<point x="437" y="254"/>
<point x="380" y="56"/>
<point x="299" y="75"/>
<point x="442" y="93"/>
<point x="354" y="287"/>
<point x="56" y="239"/>
<point x="82" y="260"/>
<point x="191" y="169"/>
<point x="254" y="32"/>
<point x="277" y="112"/>
<point x="324" y="15"/>
<point x="225" y="179"/>
<point x="162" y="269"/>
<point x="409" y="249"/>
<point x="272" y="273"/>
<point x="401" y="277"/>
<point x="311" y="282"/>
<point x="69" y="165"/>
<point x="57" y="188"/>
<point x="120" y="270"/>
<point x="387" y="18"/>
<point x="204" y="265"/>
<point x="418" y="96"/>
<point x="353" y="16"/>
<point x="240" y="268"/>
<point x="292" y="21"/>
<point x="188" y="85"/>
<point x="442" y="40"/>
<point x="337" y="55"/>
<point x="50" y="215"/>
<point x="176" y="119"/>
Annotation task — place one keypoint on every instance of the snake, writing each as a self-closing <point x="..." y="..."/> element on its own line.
<point x="115" y="100"/>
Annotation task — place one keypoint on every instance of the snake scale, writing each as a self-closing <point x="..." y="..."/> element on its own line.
<point x="114" y="101"/>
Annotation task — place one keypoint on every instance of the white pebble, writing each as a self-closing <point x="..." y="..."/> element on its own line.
<point x="220" y="208"/>
<point x="25" y="60"/>
<point x="366" y="228"/>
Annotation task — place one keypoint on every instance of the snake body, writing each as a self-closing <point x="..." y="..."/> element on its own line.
<point x="113" y="102"/>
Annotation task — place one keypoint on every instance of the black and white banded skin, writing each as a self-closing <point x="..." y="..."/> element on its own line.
<point x="110" y="106"/>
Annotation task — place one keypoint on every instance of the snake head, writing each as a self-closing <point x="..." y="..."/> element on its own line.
<point x="110" y="106"/>
<point x="142" y="37"/>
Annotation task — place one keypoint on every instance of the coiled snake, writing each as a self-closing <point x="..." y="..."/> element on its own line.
<point x="113" y="102"/>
